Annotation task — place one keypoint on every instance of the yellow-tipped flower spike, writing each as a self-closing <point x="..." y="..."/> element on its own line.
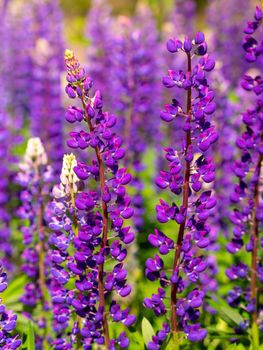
<point x="68" y="54"/>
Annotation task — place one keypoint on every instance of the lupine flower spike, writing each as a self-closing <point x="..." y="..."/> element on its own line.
<point x="96" y="230"/>
<point x="35" y="178"/>
<point x="46" y="112"/>
<point x="190" y="174"/>
<point x="247" y="195"/>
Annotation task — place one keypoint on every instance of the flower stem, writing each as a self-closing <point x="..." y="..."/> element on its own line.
<point x="104" y="233"/>
<point x="180" y="237"/>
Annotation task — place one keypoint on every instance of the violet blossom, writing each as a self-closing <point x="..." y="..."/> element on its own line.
<point x="190" y="175"/>
<point x="5" y="142"/>
<point x="247" y="198"/>
<point x="226" y="19"/>
<point x="45" y="106"/>
<point x="99" y="31"/>
<point x="35" y="178"/>
<point x="17" y="42"/>
<point x="92" y="222"/>
<point x="8" y="339"/>
<point x="135" y="94"/>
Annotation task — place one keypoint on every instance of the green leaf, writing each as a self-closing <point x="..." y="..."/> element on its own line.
<point x="255" y="336"/>
<point x="173" y="343"/>
<point x="236" y="347"/>
<point x="136" y="340"/>
<point x="71" y="283"/>
<point x="225" y="311"/>
<point x="232" y="314"/>
<point x="147" y="331"/>
<point x="211" y="346"/>
<point x="21" y="323"/>
<point x="30" y="337"/>
<point x="214" y="332"/>
<point x="232" y="347"/>
<point x="13" y="292"/>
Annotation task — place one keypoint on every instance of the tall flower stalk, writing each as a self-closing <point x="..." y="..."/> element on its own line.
<point x="135" y="95"/>
<point x="99" y="31"/>
<point x="96" y="227"/>
<point x="16" y="34"/>
<point x="45" y="105"/>
<point x="247" y="217"/>
<point x="35" y="177"/>
<point x="5" y="143"/>
<point x="190" y="170"/>
<point x="225" y="20"/>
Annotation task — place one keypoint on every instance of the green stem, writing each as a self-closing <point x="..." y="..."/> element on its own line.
<point x="255" y="336"/>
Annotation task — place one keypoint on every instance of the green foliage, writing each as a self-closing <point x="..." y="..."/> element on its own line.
<point x="228" y="314"/>
<point x="29" y="339"/>
<point x="147" y="331"/>
<point x="13" y="293"/>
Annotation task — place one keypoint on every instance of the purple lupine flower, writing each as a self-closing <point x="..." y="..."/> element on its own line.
<point x="225" y="152"/>
<point x="45" y="106"/>
<point x="63" y="224"/>
<point x="99" y="30"/>
<point x="247" y="216"/>
<point x="35" y="178"/>
<point x="5" y="142"/>
<point x="135" y="94"/>
<point x="184" y="17"/>
<point x="190" y="174"/>
<point x="84" y="218"/>
<point x="4" y="37"/>
<point x="17" y="42"/>
<point x="182" y="20"/>
<point x="225" y="19"/>
<point x="157" y="340"/>
<point x="8" y="340"/>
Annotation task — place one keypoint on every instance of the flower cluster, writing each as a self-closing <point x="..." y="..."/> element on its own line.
<point x="63" y="225"/>
<point x="247" y="216"/>
<point x="32" y="57"/>
<point x="35" y="179"/>
<point x="190" y="174"/>
<point x="5" y="138"/>
<point x="16" y="66"/>
<point x="225" y="19"/>
<point x="184" y="17"/>
<point x="92" y="222"/>
<point x="135" y="94"/>
<point x="99" y="31"/>
<point x="46" y="112"/>
<point x="7" y="320"/>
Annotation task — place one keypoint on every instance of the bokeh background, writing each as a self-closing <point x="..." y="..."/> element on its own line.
<point x="34" y="35"/>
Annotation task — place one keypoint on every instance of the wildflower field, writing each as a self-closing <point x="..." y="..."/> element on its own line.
<point x="131" y="174"/>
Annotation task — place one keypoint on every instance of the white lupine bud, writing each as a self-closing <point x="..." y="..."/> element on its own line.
<point x="58" y="191"/>
<point x="35" y="152"/>
<point x="68" y="177"/>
